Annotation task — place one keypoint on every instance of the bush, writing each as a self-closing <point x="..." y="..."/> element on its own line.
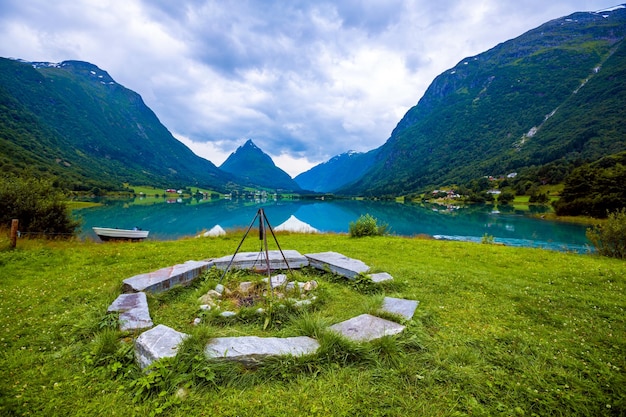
<point x="40" y="208"/>
<point x="609" y="238"/>
<point x="506" y="197"/>
<point x="366" y="225"/>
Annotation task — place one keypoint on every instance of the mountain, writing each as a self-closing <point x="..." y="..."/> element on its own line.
<point x="73" y="121"/>
<point x="553" y="95"/>
<point x="339" y="171"/>
<point x="255" y="168"/>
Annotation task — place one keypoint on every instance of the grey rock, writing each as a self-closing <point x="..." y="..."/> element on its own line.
<point x="252" y="349"/>
<point x="302" y="303"/>
<point x="165" y="278"/>
<point x="337" y="263"/>
<point x="133" y="309"/>
<point x="399" y="306"/>
<point x="366" y="327"/>
<point x="258" y="261"/>
<point x="154" y="344"/>
<point x="277" y="280"/>
<point x="381" y="277"/>
<point x="210" y="297"/>
<point x="246" y="287"/>
<point x="310" y="285"/>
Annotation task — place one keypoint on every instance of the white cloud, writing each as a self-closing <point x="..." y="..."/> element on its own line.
<point x="304" y="80"/>
<point x="207" y="150"/>
<point x="293" y="166"/>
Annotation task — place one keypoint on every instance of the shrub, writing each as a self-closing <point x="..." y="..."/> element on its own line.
<point x="609" y="238"/>
<point x="506" y="197"/>
<point x="38" y="205"/>
<point x="366" y="225"/>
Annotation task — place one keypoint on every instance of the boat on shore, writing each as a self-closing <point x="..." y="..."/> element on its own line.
<point x="107" y="233"/>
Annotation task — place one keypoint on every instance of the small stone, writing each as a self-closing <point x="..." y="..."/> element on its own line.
<point x="277" y="280"/>
<point x="246" y="287"/>
<point x="197" y="321"/>
<point x="209" y="298"/>
<point x="181" y="393"/>
<point x="205" y="307"/>
<point x="228" y="314"/>
<point x="219" y="288"/>
<point x="302" y="303"/>
<point x="381" y="277"/>
<point x="310" y="285"/>
<point x="260" y="310"/>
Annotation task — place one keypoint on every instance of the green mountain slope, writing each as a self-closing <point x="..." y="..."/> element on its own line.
<point x="255" y="168"/>
<point x="74" y="121"/>
<point x="554" y="93"/>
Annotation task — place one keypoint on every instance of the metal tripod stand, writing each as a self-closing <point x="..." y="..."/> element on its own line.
<point x="264" y="225"/>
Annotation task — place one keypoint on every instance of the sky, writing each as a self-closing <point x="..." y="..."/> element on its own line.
<point x="305" y="80"/>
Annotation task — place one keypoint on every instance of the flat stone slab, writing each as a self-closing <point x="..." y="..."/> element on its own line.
<point x="256" y="260"/>
<point x="165" y="278"/>
<point x="133" y="309"/>
<point x="366" y="327"/>
<point x="337" y="263"/>
<point x="252" y="349"/>
<point x="400" y="306"/>
<point x="154" y="344"/>
<point x="381" y="277"/>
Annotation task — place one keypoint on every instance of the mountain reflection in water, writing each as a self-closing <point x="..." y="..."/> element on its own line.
<point x="469" y="223"/>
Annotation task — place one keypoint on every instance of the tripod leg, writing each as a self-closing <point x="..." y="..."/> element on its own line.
<point x="238" y="247"/>
<point x="278" y="245"/>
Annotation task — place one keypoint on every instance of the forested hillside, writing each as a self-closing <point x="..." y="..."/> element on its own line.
<point x="556" y="94"/>
<point x="74" y="122"/>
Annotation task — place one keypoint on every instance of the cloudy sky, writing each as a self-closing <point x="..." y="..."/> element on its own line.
<point x="305" y="80"/>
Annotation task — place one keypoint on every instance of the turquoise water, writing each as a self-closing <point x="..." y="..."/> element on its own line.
<point x="183" y="218"/>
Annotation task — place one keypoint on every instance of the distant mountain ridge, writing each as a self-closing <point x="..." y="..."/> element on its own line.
<point x="555" y="95"/>
<point x="254" y="167"/>
<point x="339" y="171"/>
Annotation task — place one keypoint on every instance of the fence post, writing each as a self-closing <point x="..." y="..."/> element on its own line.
<point x="14" y="224"/>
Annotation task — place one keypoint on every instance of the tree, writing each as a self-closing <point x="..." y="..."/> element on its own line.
<point x="39" y="207"/>
<point x="506" y="197"/>
<point x="367" y="225"/>
<point x="609" y="238"/>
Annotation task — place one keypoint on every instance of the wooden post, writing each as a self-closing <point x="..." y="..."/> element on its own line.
<point x="14" y="224"/>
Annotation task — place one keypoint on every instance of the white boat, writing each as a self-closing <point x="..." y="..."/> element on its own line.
<point x="106" y="233"/>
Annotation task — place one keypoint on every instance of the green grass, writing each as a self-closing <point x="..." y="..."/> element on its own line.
<point x="499" y="331"/>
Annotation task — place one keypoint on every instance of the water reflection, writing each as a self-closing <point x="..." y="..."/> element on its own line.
<point x="192" y="217"/>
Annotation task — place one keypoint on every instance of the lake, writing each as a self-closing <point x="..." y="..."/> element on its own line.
<point x="189" y="217"/>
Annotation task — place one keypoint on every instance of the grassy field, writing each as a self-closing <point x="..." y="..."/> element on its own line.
<point x="499" y="331"/>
